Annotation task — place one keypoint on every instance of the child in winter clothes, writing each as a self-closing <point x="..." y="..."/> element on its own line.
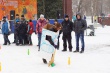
<point x="30" y="31"/>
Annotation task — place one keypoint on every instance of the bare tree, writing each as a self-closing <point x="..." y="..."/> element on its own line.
<point x="79" y="5"/>
<point x="91" y="7"/>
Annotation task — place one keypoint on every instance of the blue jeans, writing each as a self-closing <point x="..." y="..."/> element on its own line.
<point x="39" y="39"/>
<point x="81" y="37"/>
<point x="29" y="39"/>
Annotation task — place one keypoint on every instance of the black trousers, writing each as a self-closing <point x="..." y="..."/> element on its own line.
<point x="26" y="39"/>
<point x="14" y="37"/>
<point x="6" y="40"/>
<point x="17" y="39"/>
<point x="58" y="44"/>
<point x="67" y="38"/>
<point x="21" y="37"/>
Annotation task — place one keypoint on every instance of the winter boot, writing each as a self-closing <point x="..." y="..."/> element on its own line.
<point x="81" y="51"/>
<point x="76" y="51"/>
<point x="64" y="50"/>
<point x="44" y="61"/>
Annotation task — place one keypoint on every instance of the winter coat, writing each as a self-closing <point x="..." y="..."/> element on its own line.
<point x="23" y="21"/>
<point x="79" y="25"/>
<point x="7" y="22"/>
<point x="5" y="29"/>
<point x="17" y="19"/>
<point x="40" y="25"/>
<point x="30" y="28"/>
<point x="23" y="28"/>
<point x="84" y="17"/>
<point x="74" y="18"/>
<point x="17" y="29"/>
<point x="67" y="27"/>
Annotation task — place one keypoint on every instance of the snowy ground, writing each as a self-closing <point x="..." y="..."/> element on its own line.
<point x="95" y="59"/>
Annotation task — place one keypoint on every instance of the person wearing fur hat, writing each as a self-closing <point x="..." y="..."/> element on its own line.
<point x="79" y="26"/>
<point x="67" y="27"/>
<point x="40" y="24"/>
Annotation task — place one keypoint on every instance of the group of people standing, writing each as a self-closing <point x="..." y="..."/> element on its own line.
<point x="78" y="27"/>
<point x="23" y="30"/>
<point x="68" y="26"/>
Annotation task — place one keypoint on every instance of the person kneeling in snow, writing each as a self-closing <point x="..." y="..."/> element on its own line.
<point x="53" y="28"/>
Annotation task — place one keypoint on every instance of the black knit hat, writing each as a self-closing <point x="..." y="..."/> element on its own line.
<point x="22" y="15"/>
<point x="17" y="14"/>
<point x="66" y="16"/>
<point x="55" y="20"/>
<point x="4" y="17"/>
<point x="30" y="20"/>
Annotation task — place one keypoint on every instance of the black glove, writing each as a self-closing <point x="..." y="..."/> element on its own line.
<point x="56" y="46"/>
<point x="58" y="36"/>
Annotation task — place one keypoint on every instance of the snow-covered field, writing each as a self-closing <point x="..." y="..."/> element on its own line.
<point x="95" y="59"/>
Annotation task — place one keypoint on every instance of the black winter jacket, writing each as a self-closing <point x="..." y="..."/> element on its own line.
<point x="23" y="28"/>
<point x="79" y="26"/>
<point x="17" y="28"/>
<point x="67" y="27"/>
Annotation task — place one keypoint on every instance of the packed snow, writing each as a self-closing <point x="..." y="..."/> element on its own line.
<point x="95" y="59"/>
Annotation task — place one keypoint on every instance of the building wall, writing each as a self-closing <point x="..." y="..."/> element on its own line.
<point x="104" y="21"/>
<point x="67" y="7"/>
<point x="26" y="7"/>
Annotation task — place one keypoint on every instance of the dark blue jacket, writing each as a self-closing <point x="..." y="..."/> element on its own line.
<point x="5" y="29"/>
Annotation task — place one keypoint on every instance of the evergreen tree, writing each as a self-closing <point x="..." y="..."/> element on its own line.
<point x="50" y="8"/>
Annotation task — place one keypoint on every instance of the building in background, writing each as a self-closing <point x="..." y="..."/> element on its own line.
<point x="9" y="8"/>
<point x="67" y="8"/>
